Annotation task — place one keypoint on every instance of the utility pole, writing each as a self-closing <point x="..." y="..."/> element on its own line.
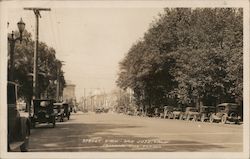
<point x="37" y="14"/>
<point x="84" y="99"/>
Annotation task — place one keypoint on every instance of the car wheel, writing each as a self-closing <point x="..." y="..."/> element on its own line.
<point x="33" y="125"/>
<point x="180" y="118"/>
<point x="25" y="146"/>
<point x="194" y="118"/>
<point x="168" y="116"/>
<point x="211" y="119"/>
<point x="54" y="123"/>
<point x="224" y="119"/>
<point x="202" y="117"/>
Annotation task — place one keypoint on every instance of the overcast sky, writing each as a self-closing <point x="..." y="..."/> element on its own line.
<point x="91" y="41"/>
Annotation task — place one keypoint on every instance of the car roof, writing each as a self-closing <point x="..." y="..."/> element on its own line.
<point x="226" y="104"/>
<point x="42" y="99"/>
<point x="59" y="103"/>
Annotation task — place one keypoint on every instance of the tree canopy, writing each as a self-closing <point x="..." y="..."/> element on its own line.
<point x="187" y="55"/>
<point x="48" y="66"/>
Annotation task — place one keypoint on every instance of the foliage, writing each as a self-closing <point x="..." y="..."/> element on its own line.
<point x="187" y="55"/>
<point x="47" y="68"/>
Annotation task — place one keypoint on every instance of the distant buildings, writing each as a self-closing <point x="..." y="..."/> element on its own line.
<point x="69" y="92"/>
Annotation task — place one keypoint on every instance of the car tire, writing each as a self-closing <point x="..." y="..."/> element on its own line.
<point x="25" y="146"/>
<point x="194" y="118"/>
<point x="168" y="116"/>
<point x="54" y="124"/>
<point x="33" y="125"/>
<point x="180" y="117"/>
<point x="224" y="119"/>
<point x="202" y="117"/>
<point x="211" y="119"/>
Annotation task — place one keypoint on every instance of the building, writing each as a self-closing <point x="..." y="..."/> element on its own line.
<point x="69" y="91"/>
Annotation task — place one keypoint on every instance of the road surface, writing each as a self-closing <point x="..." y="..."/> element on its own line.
<point x="109" y="132"/>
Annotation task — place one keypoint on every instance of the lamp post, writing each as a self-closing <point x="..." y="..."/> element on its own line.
<point x="12" y="40"/>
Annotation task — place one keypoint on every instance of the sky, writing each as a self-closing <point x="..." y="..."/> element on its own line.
<point x="90" y="41"/>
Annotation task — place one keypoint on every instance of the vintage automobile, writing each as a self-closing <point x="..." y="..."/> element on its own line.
<point x="66" y="112"/>
<point x="58" y="109"/>
<point x="190" y="113"/>
<point x="176" y="112"/>
<point x="226" y="112"/>
<point x="18" y="125"/>
<point x="43" y="112"/>
<point x="99" y="110"/>
<point x="168" y="112"/>
<point x="205" y="112"/>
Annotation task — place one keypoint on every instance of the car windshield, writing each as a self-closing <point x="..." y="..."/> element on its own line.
<point x="204" y="109"/>
<point x="193" y="110"/>
<point x="221" y="108"/>
<point x="44" y="103"/>
<point x="177" y="109"/>
<point x="234" y="107"/>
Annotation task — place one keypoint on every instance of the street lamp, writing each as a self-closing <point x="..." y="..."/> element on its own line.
<point x="12" y="40"/>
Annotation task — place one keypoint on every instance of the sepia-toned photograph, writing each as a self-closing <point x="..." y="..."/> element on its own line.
<point x="124" y="78"/>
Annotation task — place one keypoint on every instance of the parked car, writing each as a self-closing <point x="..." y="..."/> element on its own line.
<point x="59" y="111"/>
<point x="205" y="112"/>
<point x="66" y="112"/>
<point x="168" y="112"/>
<point x="99" y="110"/>
<point x="226" y="112"/>
<point x="176" y="113"/>
<point x="43" y="112"/>
<point x="18" y="126"/>
<point x="190" y="113"/>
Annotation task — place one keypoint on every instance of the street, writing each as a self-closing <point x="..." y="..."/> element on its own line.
<point x="107" y="132"/>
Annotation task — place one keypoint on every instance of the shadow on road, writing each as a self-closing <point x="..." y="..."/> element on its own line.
<point x="76" y="137"/>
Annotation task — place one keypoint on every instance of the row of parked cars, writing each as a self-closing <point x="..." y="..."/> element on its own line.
<point x="19" y="124"/>
<point x="225" y="112"/>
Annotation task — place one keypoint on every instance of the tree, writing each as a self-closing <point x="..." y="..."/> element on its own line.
<point x="187" y="56"/>
<point x="23" y="68"/>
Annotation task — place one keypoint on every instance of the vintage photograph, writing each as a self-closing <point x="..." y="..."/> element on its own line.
<point x="124" y="79"/>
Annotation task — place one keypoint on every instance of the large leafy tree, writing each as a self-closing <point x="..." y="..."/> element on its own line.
<point x="187" y="56"/>
<point x="47" y="68"/>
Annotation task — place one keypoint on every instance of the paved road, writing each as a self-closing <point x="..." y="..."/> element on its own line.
<point x="117" y="132"/>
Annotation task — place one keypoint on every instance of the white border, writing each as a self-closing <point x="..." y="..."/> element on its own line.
<point x="122" y="4"/>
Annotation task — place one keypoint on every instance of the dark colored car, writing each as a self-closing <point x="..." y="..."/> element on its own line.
<point x="43" y="112"/>
<point x="18" y="125"/>
<point x="66" y="112"/>
<point x="190" y="113"/>
<point x="99" y="110"/>
<point x="205" y="112"/>
<point x="168" y="112"/>
<point x="226" y="112"/>
<point x="59" y="109"/>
